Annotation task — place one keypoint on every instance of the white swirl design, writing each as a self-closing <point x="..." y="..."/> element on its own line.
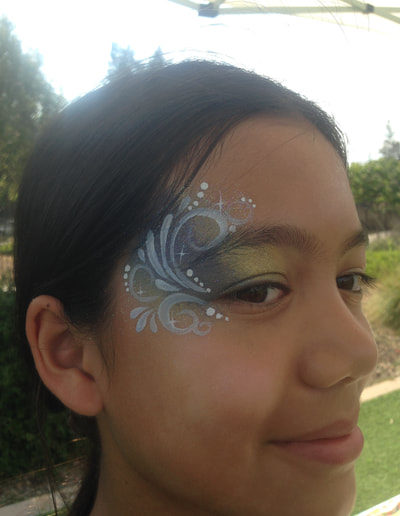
<point x="158" y="274"/>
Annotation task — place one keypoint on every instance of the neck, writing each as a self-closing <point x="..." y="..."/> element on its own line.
<point x="123" y="490"/>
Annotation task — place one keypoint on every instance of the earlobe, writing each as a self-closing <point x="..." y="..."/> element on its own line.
<point x="69" y="365"/>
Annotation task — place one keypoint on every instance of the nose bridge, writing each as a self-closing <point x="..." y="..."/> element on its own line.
<point x="338" y="344"/>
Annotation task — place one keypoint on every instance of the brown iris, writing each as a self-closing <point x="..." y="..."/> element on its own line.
<point x="256" y="294"/>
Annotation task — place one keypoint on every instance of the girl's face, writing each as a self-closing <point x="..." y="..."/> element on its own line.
<point x="258" y="415"/>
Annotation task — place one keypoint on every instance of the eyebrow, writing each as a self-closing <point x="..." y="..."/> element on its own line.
<point x="282" y="235"/>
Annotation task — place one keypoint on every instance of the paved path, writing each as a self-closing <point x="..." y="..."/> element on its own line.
<point x="37" y="505"/>
<point x="391" y="506"/>
<point x="380" y="388"/>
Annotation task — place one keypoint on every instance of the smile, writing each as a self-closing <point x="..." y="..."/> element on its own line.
<point x="336" y="450"/>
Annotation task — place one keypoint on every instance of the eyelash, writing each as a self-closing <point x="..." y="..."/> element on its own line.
<point x="358" y="278"/>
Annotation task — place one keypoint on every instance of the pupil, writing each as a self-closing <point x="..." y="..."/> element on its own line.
<point x="252" y="295"/>
<point x="347" y="282"/>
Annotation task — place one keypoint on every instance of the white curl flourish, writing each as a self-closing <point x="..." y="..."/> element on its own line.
<point x="167" y="282"/>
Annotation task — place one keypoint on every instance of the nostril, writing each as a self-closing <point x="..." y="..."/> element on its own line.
<point x="347" y="380"/>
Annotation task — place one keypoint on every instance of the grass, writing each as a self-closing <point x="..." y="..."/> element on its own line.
<point x="377" y="470"/>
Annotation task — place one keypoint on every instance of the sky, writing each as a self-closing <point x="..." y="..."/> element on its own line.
<point x="353" y="74"/>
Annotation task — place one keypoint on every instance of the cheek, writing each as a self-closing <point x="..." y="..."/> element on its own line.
<point x="191" y="402"/>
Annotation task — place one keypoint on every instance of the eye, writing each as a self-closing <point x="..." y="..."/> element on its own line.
<point x="354" y="282"/>
<point x="262" y="294"/>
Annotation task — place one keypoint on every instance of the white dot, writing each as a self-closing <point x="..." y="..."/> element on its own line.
<point x="196" y="203"/>
<point x="208" y="290"/>
<point x="127" y="268"/>
<point x="126" y="284"/>
<point x="243" y="199"/>
<point x="200" y="195"/>
<point x="204" y="186"/>
<point x="210" y="311"/>
<point x="125" y="276"/>
<point x="227" y="319"/>
<point x="189" y="273"/>
<point x="127" y="289"/>
<point x="196" y="280"/>
<point x="190" y="207"/>
<point x="219" y="316"/>
<point x="201" y="284"/>
<point x="232" y="228"/>
<point x="254" y="205"/>
<point x="250" y="200"/>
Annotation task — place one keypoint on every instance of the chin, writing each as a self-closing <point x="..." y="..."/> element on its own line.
<point x="336" y="498"/>
<point x="332" y="495"/>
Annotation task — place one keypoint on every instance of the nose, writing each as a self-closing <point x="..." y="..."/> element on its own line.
<point x="338" y="344"/>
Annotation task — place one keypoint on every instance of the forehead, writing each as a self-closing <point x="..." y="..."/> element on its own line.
<point x="293" y="173"/>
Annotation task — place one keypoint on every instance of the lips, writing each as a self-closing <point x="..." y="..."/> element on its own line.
<point x="336" y="444"/>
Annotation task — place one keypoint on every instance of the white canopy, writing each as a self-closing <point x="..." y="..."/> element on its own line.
<point x="381" y="15"/>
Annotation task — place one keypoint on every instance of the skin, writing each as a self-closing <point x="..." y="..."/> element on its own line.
<point x="188" y="422"/>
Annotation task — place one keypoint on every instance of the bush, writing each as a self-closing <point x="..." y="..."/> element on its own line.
<point x="7" y="247"/>
<point x="390" y="301"/>
<point x="376" y="190"/>
<point x="20" y="446"/>
<point x="386" y="243"/>
<point x="382" y="262"/>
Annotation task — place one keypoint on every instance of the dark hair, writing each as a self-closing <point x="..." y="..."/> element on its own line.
<point x="90" y="187"/>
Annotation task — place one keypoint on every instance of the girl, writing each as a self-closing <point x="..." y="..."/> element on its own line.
<point x="189" y="270"/>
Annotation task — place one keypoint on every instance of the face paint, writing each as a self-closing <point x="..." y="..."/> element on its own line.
<point x="161" y="275"/>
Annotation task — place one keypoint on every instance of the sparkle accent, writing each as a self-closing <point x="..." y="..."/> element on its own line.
<point x="181" y="254"/>
<point x="204" y="186"/>
<point x="220" y="203"/>
<point x="210" y="311"/>
<point x="189" y="273"/>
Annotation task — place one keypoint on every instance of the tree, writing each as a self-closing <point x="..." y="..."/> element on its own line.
<point x="376" y="190"/>
<point x="26" y="103"/>
<point x="123" y="62"/>
<point x="391" y="147"/>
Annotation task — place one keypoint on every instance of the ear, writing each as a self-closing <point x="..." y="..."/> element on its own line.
<point x="70" y="365"/>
